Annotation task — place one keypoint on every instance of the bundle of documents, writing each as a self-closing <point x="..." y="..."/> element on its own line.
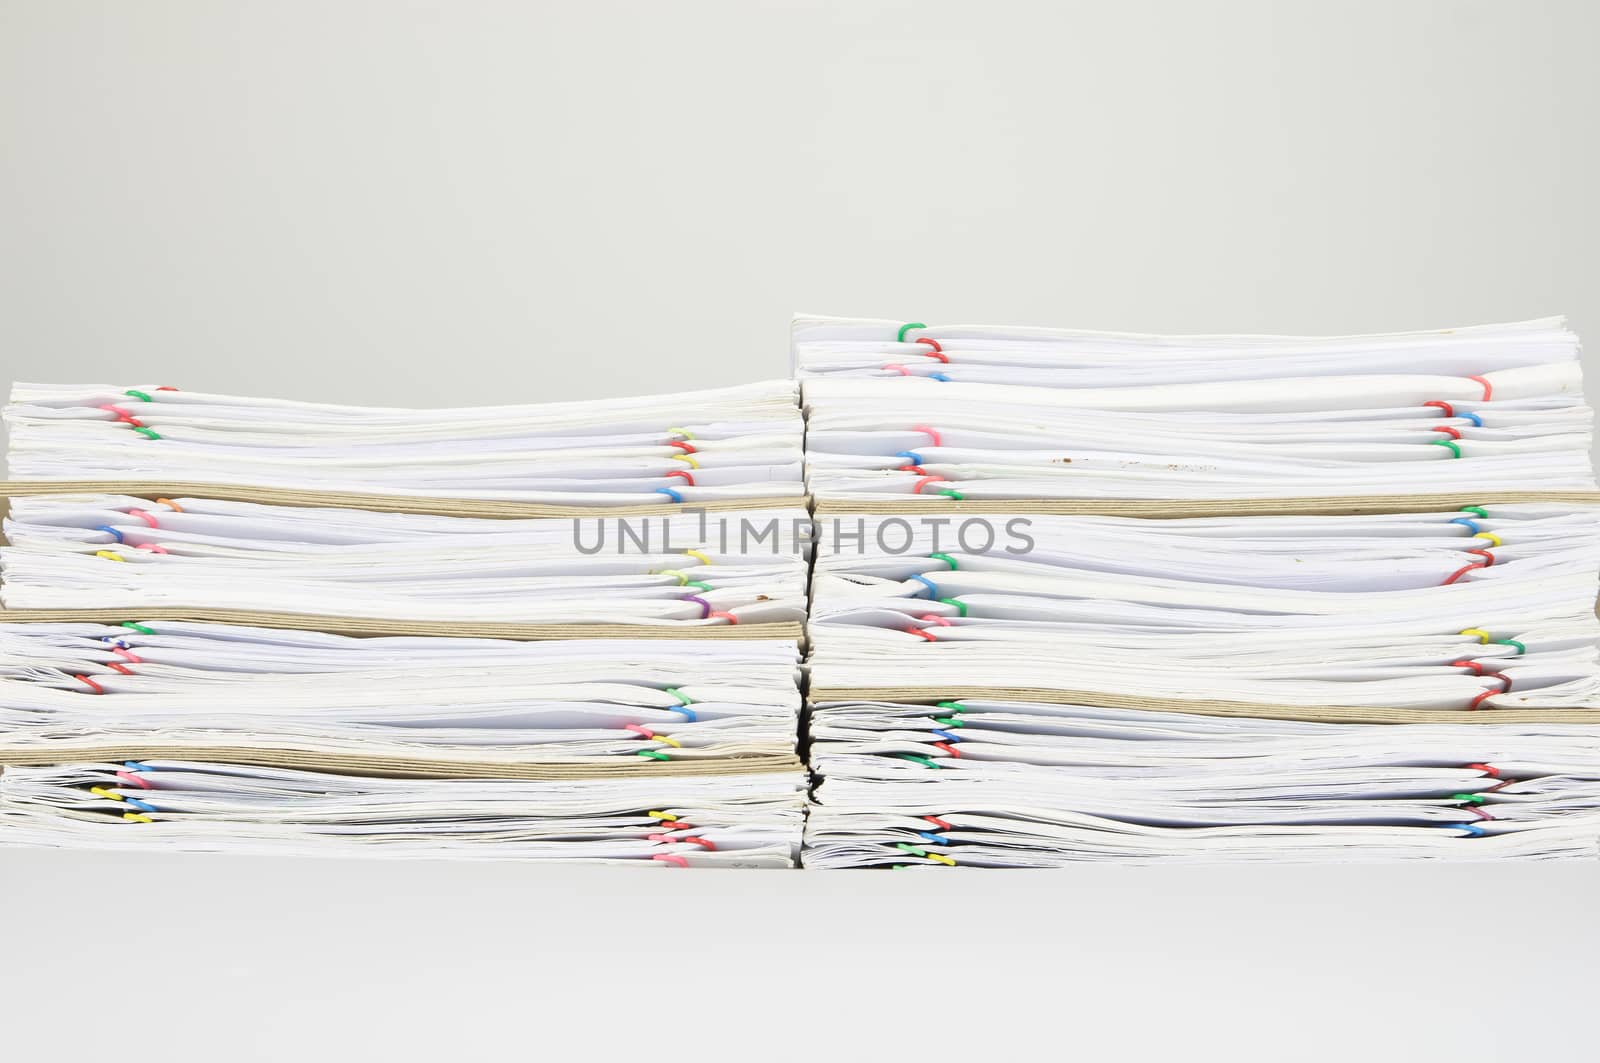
<point x="1383" y="646"/>
<point x="697" y="447"/>
<point x="1310" y="616"/>
<point x="74" y="691"/>
<point x="902" y="413"/>
<point x="676" y="752"/>
<point x="1045" y="785"/>
<point x="742" y="821"/>
<point x="566" y="631"/>
<point x="689" y="570"/>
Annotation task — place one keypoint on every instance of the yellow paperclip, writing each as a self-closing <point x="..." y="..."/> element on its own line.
<point x="107" y="794"/>
<point x="1483" y="636"/>
<point x="661" y="815"/>
<point x="673" y="742"/>
<point x="688" y="458"/>
<point x="1491" y="536"/>
<point x="137" y="818"/>
<point x="682" y="579"/>
<point x="698" y="556"/>
<point x="941" y="858"/>
<point x="684" y="432"/>
<point x="109" y="556"/>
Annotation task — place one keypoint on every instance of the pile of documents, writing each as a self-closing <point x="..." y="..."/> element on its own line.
<point x="669" y="570"/>
<point x="966" y="412"/>
<point x="565" y="632"/>
<point x="998" y="681"/>
<point x="706" y="447"/>
<point x="1065" y="597"/>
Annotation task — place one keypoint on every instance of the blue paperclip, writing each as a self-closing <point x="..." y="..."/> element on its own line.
<point x="134" y="765"/>
<point x="670" y="493"/>
<point x="110" y="529"/>
<point x="141" y="805"/>
<point x="938" y="376"/>
<point x="1467" y="522"/>
<point x="1474" y="418"/>
<point x="935" y="838"/>
<point x="688" y="713"/>
<point x="933" y="588"/>
<point x="947" y="736"/>
<point x="916" y="459"/>
<point x="1471" y="828"/>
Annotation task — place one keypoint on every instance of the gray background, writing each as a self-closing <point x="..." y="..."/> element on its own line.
<point x="455" y="203"/>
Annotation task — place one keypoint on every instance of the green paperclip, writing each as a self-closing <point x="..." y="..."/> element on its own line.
<point x="924" y="761"/>
<point x="1471" y="799"/>
<point x="1521" y="649"/>
<point x="150" y="432"/>
<point x="139" y="395"/>
<point x="907" y="847"/>
<point x="675" y="692"/>
<point x="953" y="706"/>
<point x="140" y="628"/>
<point x="946" y="558"/>
<point x="959" y="497"/>
<point x="1479" y="510"/>
<point x="961" y="607"/>
<point x="900" y="337"/>
<point x="655" y="753"/>
<point x="1454" y="447"/>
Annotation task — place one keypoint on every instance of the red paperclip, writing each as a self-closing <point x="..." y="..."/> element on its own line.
<point x="1462" y="571"/>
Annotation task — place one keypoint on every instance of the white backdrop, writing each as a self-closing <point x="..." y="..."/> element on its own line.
<point x="465" y="202"/>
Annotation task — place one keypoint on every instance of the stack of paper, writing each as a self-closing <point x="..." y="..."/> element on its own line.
<point x="1414" y="672"/>
<point x="594" y="749"/>
<point x="898" y="413"/>
<point x="677" y="569"/>
<point x="558" y="632"/>
<point x="1045" y="785"/>
<point x="704" y="447"/>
